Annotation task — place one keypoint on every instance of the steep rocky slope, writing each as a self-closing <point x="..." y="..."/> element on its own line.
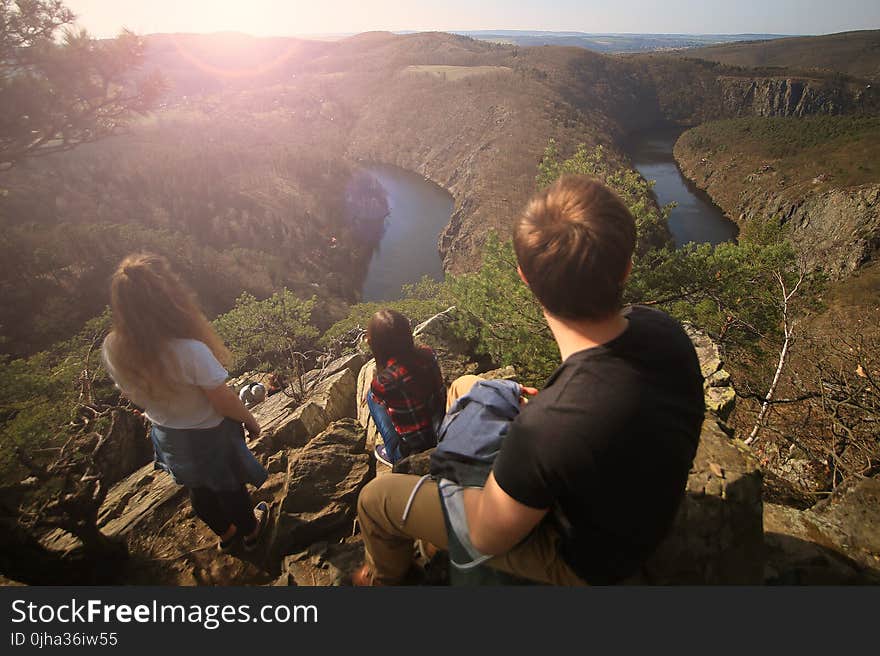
<point x="692" y="91"/>
<point x="816" y="178"/>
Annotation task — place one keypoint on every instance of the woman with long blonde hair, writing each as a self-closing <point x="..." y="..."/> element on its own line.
<point x="165" y="356"/>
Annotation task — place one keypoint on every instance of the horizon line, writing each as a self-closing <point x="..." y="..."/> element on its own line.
<point x="465" y="32"/>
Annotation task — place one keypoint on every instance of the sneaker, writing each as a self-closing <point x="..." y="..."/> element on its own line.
<point x="261" y="514"/>
<point x="363" y="577"/>
<point x="382" y="456"/>
<point x="228" y="545"/>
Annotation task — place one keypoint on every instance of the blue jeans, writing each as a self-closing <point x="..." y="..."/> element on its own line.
<point x="385" y="427"/>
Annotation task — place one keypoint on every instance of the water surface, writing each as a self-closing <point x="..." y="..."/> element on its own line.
<point x="418" y="212"/>
<point x="696" y="218"/>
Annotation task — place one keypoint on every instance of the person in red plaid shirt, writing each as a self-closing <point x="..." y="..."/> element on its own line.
<point x="407" y="395"/>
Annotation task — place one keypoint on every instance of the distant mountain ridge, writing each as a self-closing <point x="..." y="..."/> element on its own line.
<point x="610" y="42"/>
<point x="853" y="53"/>
<point x="605" y="42"/>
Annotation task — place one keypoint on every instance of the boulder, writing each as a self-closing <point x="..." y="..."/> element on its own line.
<point x="321" y="489"/>
<point x="780" y="491"/>
<point x="707" y="351"/>
<point x="717" y="387"/>
<point x="364" y="379"/>
<point x="128" y="503"/>
<point x="135" y="498"/>
<point x="453" y="353"/>
<point x="277" y="462"/>
<point x="125" y="448"/>
<point x="335" y="396"/>
<point x="352" y="361"/>
<point x="791" y="463"/>
<point x="322" y="564"/>
<point x="837" y="541"/>
<point x="720" y="400"/>
<point x="717" y="537"/>
<point x="286" y="424"/>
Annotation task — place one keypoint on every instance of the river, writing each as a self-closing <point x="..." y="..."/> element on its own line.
<point x="696" y="218"/>
<point x="418" y="212"/>
<point x="420" y="209"/>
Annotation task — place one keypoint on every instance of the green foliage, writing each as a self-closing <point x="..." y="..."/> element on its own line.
<point x="264" y="333"/>
<point x="59" y="275"/>
<point x="844" y="149"/>
<point x="783" y="136"/>
<point x="498" y="313"/>
<point x="38" y="395"/>
<point x="731" y="290"/>
<point x="418" y="302"/>
<point x="229" y="216"/>
<point x="56" y="93"/>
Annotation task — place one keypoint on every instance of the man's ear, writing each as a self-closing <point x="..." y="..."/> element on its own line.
<point x="629" y="269"/>
<point x="522" y="275"/>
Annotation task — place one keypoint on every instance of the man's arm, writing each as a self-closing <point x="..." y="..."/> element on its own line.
<point x="496" y="521"/>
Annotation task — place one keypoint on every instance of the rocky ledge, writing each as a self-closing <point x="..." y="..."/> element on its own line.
<point x="318" y="455"/>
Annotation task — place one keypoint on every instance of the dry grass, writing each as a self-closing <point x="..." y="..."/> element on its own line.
<point x="453" y="73"/>
<point x="854" y="53"/>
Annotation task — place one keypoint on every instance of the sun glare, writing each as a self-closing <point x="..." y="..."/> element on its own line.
<point x="231" y="56"/>
<point x="259" y="18"/>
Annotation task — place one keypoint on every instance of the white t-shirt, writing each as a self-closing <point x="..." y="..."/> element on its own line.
<point x="187" y="406"/>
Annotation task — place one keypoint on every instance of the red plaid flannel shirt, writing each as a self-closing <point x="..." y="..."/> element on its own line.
<point x="413" y="394"/>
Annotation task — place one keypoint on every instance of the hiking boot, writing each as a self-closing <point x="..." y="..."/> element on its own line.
<point x="426" y="550"/>
<point x="382" y="455"/>
<point x="261" y="514"/>
<point x="365" y="577"/>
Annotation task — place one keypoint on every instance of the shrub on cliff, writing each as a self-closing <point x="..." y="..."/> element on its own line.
<point x="500" y="316"/>
<point x="266" y="333"/>
<point x="39" y="395"/>
<point x="418" y="302"/>
<point x="60" y="88"/>
<point x="729" y="290"/>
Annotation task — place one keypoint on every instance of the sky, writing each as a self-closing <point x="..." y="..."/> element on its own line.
<point x="287" y="17"/>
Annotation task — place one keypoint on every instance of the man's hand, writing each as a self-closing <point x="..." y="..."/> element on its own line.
<point x="496" y="521"/>
<point x="526" y="391"/>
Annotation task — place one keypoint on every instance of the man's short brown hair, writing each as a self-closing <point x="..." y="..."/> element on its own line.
<point x="574" y="243"/>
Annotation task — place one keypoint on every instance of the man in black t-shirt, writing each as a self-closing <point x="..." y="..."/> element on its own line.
<point x="593" y="469"/>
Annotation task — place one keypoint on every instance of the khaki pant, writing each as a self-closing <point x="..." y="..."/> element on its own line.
<point x="389" y="540"/>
